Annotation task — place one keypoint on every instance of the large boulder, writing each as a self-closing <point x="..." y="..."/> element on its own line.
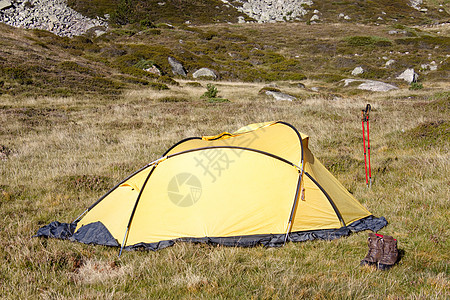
<point x="204" y="73"/>
<point x="408" y="75"/>
<point x="177" y="67"/>
<point x="279" y="96"/>
<point x="371" y="85"/>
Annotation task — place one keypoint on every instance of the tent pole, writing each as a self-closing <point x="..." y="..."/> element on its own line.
<point x="123" y="243"/>
<point x="294" y="205"/>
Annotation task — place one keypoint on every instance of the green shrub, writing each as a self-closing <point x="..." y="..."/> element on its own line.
<point x="158" y="86"/>
<point x="73" y="66"/>
<point x="123" y="14"/>
<point x="217" y="100"/>
<point x="172" y="99"/>
<point x="211" y="91"/>
<point x="146" y="23"/>
<point x="367" y="41"/>
<point x="328" y="78"/>
<point x="152" y="32"/>
<point x="18" y="74"/>
<point x="268" y="89"/>
<point x="194" y="84"/>
<point x="144" y="64"/>
<point x="168" y="80"/>
<point x="416" y="86"/>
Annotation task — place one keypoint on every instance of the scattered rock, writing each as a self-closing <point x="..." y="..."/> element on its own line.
<point x="371" y="85"/>
<point x="279" y="96"/>
<point x="154" y="70"/>
<point x="177" y="67"/>
<point x="268" y="11"/>
<point x="357" y="71"/>
<point x="391" y="32"/>
<point x="314" y="18"/>
<point x="408" y="75"/>
<point x="389" y="62"/>
<point x="204" y="72"/>
<point x="415" y="4"/>
<point x="432" y="66"/>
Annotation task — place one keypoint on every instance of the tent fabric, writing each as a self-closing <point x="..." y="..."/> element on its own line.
<point x="260" y="185"/>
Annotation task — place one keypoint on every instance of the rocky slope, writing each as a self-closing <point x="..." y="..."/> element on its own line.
<point x="51" y="15"/>
<point x="275" y="10"/>
<point x="57" y="17"/>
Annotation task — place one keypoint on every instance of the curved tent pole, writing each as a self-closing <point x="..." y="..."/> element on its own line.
<point x="141" y="169"/>
<point x="184" y="152"/>
<point x="299" y="184"/>
<point x="294" y="205"/>
<point x="115" y="187"/>
<point x="136" y="204"/>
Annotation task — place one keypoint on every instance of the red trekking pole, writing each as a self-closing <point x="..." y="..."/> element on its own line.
<point x="365" y="119"/>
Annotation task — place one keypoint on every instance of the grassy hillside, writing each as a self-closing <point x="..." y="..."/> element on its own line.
<point x="207" y="12"/>
<point x="172" y="11"/>
<point x="37" y="62"/>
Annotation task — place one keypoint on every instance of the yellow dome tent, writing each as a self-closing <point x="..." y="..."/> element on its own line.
<point x="260" y="185"/>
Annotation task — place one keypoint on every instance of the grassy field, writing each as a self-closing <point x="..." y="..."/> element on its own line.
<point x="59" y="154"/>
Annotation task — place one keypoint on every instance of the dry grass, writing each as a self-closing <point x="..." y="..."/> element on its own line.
<point x="63" y="153"/>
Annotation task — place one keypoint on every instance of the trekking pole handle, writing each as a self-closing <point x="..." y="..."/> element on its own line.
<point x="365" y="112"/>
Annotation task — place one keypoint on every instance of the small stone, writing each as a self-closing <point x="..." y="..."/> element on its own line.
<point x="389" y="62"/>
<point x="357" y="71"/>
<point x="408" y="75"/>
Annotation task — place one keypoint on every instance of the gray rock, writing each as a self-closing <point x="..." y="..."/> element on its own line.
<point x="371" y="85"/>
<point x="357" y="71"/>
<point x="432" y="66"/>
<point x="5" y="4"/>
<point x="408" y="75"/>
<point x="204" y="72"/>
<point x="177" y="67"/>
<point x="389" y="62"/>
<point x="279" y="96"/>
<point x="415" y="4"/>
<point x="314" y="18"/>
<point x="154" y="70"/>
<point x="269" y="11"/>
